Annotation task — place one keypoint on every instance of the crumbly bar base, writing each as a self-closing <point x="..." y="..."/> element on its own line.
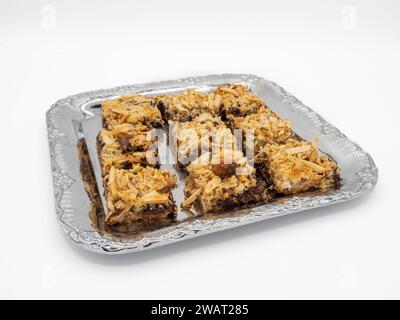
<point x="259" y="129"/>
<point x="237" y="100"/>
<point x="134" y="109"/>
<point x="125" y="146"/>
<point x="188" y="105"/>
<point x="146" y="214"/>
<point x="225" y="100"/>
<point x="139" y="194"/>
<point x="298" y="166"/>
<point x="205" y="133"/>
<point x="214" y="184"/>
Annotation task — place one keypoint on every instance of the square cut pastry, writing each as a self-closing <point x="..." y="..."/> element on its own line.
<point x="134" y="109"/>
<point x="139" y="194"/>
<point x="188" y="105"/>
<point x="298" y="166"/>
<point x="259" y="129"/>
<point x="221" y="183"/>
<point x="127" y="145"/>
<point x="205" y="133"/>
<point x="237" y="100"/>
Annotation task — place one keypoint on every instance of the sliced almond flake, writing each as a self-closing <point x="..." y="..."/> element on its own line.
<point x="112" y="175"/>
<point x="191" y="199"/>
<point x="119" y="111"/>
<point x="139" y="154"/>
<point x="134" y="117"/>
<point x="110" y="205"/>
<point x="211" y="185"/>
<point x="229" y="90"/>
<point x="131" y="186"/>
<point x="107" y="140"/>
<point x="314" y="144"/>
<point x="210" y="101"/>
<point x="150" y="194"/>
<point x="127" y="209"/>
<point x="120" y="204"/>
<point x="153" y="198"/>
<point x="217" y="101"/>
<point x="313" y="166"/>
<point x="300" y="149"/>
<point x="123" y="127"/>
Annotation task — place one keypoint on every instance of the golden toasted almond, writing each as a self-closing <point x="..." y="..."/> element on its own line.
<point x="299" y="149"/>
<point x="153" y="198"/>
<point x="188" y="201"/>
<point x="229" y="90"/>
<point x="314" y="145"/>
<point x="119" y="111"/>
<point x="211" y="185"/>
<point x="313" y="166"/>
<point x="106" y="139"/>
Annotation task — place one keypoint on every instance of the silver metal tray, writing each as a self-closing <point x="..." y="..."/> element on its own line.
<point x="74" y="122"/>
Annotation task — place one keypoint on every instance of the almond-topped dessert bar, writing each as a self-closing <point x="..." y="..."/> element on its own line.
<point x="125" y="146"/>
<point x="261" y="128"/>
<point x="221" y="183"/>
<point x="205" y="133"/>
<point x="237" y="100"/>
<point x="233" y="99"/>
<point x="139" y="194"/>
<point x="298" y="166"/>
<point x="188" y="105"/>
<point x="203" y="137"/>
<point x="133" y="109"/>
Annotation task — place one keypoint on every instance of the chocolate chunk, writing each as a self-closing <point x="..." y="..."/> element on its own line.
<point x="224" y="170"/>
<point x="124" y="141"/>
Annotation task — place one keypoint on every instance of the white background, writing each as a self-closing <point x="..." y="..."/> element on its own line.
<point x="339" y="57"/>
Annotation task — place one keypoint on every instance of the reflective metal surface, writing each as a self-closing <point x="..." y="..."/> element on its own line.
<point x="74" y="122"/>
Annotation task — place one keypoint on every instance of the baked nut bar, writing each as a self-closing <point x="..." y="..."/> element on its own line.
<point x="233" y="99"/>
<point x="237" y="100"/>
<point x="214" y="184"/>
<point x="133" y="109"/>
<point x="188" y="105"/>
<point x="139" y="194"/>
<point x="298" y="166"/>
<point x="218" y="175"/>
<point x="125" y="146"/>
<point x="204" y="133"/>
<point x="261" y="128"/>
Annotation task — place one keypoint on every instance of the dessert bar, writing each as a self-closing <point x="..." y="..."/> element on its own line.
<point x="259" y="129"/>
<point x="224" y="100"/>
<point x="237" y="100"/>
<point x="139" y="194"/>
<point x="221" y="183"/>
<point x="298" y="166"/>
<point x="188" y="105"/>
<point x="205" y="133"/>
<point x="133" y="109"/>
<point x="125" y="146"/>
